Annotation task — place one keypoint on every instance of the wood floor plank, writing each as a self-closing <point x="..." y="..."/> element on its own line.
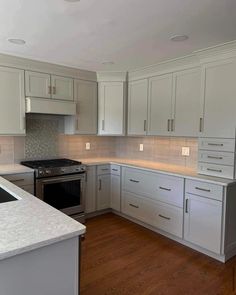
<point x="123" y="258"/>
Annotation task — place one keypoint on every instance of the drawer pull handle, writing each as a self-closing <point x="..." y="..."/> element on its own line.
<point x="162" y="216"/>
<point x="214" y="170"/>
<point x="164" y="188"/>
<point x="213" y="157"/>
<point x="201" y="125"/>
<point x="134" y="206"/>
<point x="114" y="169"/>
<point x="215" y="144"/>
<point x="100" y="185"/>
<point x="145" y="126"/>
<point x="202" y="189"/>
<point x="17" y="180"/>
<point x="133" y="180"/>
<point x="104" y="169"/>
<point x="186" y="206"/>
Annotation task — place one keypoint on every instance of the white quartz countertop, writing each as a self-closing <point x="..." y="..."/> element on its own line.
<point x="14" y="168"/>
<point x="29" y="223"/>
<point x="159" y="167"/>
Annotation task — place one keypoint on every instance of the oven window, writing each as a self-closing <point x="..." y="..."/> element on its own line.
<point x="62" y="195"/>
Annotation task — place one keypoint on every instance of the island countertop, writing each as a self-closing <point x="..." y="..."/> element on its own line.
<point x="28" y="223"/>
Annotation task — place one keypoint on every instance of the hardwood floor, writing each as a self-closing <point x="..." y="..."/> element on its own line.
<point x="120" y="257"/>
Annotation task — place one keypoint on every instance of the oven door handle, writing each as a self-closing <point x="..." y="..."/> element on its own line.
<point x="60" y="179"/>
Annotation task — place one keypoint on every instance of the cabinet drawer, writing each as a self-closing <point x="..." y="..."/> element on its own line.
<point x="115" y="169"/>
<point x="28" y="188"/>
<point x="168" y="189"/>
<point x="216" y="170"/>
<point x="217" y="144"/>
<point x="20" y="179"/>
<point x="222" y="158"/>
<point x="169" y="219"/>
<point x="205" y="189"/>
<point x="103" y="169"/>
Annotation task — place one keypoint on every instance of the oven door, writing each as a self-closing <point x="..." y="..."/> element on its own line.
<point x="65" y="193"/>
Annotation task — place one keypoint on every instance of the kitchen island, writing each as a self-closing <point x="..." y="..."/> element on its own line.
<point x="39" y="247"/>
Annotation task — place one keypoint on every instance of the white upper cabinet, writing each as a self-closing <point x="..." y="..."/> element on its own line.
<point x="43" y="85"/>
<point x="186" y="103"/>
<point x="12" y="101"/>
<point x="62" y="88"/>
<point x="37" y="84"/>
<point x="137" y="107"/>
<point x="111" y="108"/>
<point x="159" y="105"/>
<point x="219" y="92"/>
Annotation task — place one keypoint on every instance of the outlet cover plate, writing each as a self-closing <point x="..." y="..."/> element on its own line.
<point x="185" y="151"/>
<point x="141" y="147"/>
<point x="87" y="145"/>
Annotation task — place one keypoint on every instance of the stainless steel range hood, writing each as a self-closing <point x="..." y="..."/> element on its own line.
<point x="49" y="106"/>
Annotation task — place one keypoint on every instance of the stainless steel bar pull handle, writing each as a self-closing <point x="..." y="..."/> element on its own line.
<point x="104" y="169"/>
<point x="214" y="170"/>
<point x="114" y="169"/>
<point x="54" y="89"/>
<point x="49" y="90"/>
<point x="145" y="125"/>
<point x="168" y="125"/>
<point x="100" y="184"/>
<point x="133" y="180"/>
<point x="202" y="189"/>
<point x="186" y="206"/>
<point x="164" y="217"/>
<point x="201" y="125"/>
<point x="214" y="157"/>
<point x="164" y="188"/>
<point x="172" y="124"/>
<point x="134" y="206"/>
<point x="215" y="144"/>
<point x="17" y="180"/>
<point x="103" y="124"/>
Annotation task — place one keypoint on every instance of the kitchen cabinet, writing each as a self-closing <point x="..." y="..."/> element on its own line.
<point x="111" y="108"/>
<point x="218" y="97"/>
<point x="23" y="180"/>
<point x="115" y="187"/>
<point x="85" y="97"/>
<point x="160" y="105"/>
<point x="186" y="103"/>
<point x="137" y="107"/>
<point x="90" y="192"/>
<point x="203" y="222"/>
<point x="43" y="85"/>
<point x="12" y="101"/>
<point x="103" y="191"/>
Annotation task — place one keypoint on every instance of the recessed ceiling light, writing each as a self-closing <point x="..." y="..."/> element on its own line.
<point x="179" y="38"/>
<point x="72" y="1"/>
<point x="17" y="41"/>
<point x="107" y="63"/>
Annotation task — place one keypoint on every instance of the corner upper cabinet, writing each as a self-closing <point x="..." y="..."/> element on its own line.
<point x="186" y="103"/>
<point x="219" y="92"/>
<point x="62" y="88"/>
<point x="137" y="107"/>
<point x="12" y="101"/>
<point x="160" y="104"/>
<point x="111" y="108"/>
<point x="43" y="85"/>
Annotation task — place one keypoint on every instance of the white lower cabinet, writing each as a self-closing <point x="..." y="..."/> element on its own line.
<point x="103" y="191"/>
<point x="115" y="192"/>
<point x="203" y="222"/>
<point x="90" y="192"/>
<point x="22" y="180"/>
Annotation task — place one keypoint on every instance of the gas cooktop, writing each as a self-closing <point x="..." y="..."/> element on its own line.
<point x="50" y="163"/>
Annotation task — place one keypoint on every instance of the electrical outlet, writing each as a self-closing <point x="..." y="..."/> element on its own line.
<point x="87" y="146"/>
<point x="185" y="151"/>
<point x="0" y="149"/>
<point x="141" y="147"/>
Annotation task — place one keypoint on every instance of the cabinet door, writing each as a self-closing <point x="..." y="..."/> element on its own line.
<point x="90" y="195"/>
<point x="103" y="192"/>
<point x="62" y="88"/>
<point x="37" y="84"/>
<point x="186" y="107"/>
<point x="202" y="222"/>
<point x="111" y="119"/>
<point x="137" y="107"/>
<point x="12" y="101"/>
<point x="115" y="192"/>
<point x="220" y="102"/>
<point x="86" y="99"/>
<point x="159" y="105"/>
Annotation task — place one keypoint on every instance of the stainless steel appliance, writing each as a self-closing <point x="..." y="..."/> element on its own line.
<point x="61" y="184"/>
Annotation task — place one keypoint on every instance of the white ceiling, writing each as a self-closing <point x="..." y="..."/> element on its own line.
<point x="132" y="33"/>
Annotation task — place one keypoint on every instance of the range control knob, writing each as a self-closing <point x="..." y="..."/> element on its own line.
<point x="63" y="170"/>
<point x="47" y="171"/>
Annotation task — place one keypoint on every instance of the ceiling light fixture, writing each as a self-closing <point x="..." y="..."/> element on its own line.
<point x="16" y="41"/>
<point x="107" y="63"/>
<point x="179" y="38"/>
<point x="72" y="1"/>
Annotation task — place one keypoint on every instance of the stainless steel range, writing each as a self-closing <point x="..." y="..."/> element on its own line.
<point x="61" y="184"/>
